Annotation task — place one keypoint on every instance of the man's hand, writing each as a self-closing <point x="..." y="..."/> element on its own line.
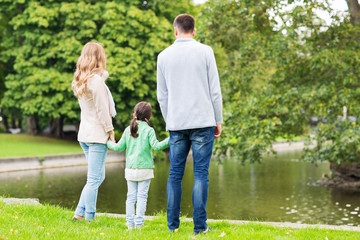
<point x="112" y="136"/>
<point x="217" y="130"/>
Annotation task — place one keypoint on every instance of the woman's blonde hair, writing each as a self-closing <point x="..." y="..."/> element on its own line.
<point x="91" y="61"/>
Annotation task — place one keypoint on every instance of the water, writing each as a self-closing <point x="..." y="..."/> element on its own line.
<point x="275" y="190"/>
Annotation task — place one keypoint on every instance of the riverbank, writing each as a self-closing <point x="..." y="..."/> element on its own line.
<point x="22" y="221"/>
<point x="11" y="164"/>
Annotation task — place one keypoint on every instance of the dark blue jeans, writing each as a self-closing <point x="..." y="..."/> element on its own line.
<point x="202" y="141"/>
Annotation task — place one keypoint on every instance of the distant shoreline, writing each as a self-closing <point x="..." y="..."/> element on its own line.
<point x="11" y="164"/>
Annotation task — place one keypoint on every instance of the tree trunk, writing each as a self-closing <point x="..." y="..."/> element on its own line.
<point x="344" y="175"/>
<point x="5" y="122"/>
<point x="57" y="127"/>
<point x="347" y="171"/>
<point x="13" y="122"/>
<point x="32" y="125"/>
<point x="20" y="123"/>
<point x="354" y="8"/>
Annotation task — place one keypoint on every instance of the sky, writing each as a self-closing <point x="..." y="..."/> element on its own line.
<point x="339" y="5"/>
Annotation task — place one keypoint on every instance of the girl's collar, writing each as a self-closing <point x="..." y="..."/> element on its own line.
<point x="141" y="122"/>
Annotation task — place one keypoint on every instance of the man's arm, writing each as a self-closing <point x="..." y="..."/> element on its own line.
<point x="162" y="92"/>
<point x="215" y="90"/>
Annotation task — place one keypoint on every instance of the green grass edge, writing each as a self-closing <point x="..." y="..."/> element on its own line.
<point x="54" y="222"/>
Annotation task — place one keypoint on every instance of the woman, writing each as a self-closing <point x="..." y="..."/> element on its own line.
<point x="97" y="107"/>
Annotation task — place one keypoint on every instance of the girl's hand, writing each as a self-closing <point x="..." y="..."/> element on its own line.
<point x="112" y="136"/>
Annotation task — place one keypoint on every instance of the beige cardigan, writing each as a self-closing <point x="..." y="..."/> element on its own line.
<point x="95" y="112"/>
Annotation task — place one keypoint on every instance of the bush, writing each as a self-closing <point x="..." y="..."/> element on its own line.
<point x="2" y="129"/>
<point x="117" y="135"/>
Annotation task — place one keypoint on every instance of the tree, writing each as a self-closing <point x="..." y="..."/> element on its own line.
<point x="47" y="38"/>
<point x="323" y="72"/>
<point x="354" y="8"/>
<point x="12" y="113"/>
<point x="243" y="40"/>
<point x="309" y="70"/>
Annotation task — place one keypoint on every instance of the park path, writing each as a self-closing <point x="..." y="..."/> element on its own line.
<point x="276" y="224"/>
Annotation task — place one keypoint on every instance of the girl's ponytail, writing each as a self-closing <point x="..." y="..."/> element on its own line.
<point x="142" y="112"/>
<point x="134" y="128"/>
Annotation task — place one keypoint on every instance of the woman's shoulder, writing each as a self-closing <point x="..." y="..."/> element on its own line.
<point x="95" y="81"/>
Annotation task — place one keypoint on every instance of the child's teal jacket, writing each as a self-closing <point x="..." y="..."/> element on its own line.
<point x="138" y="150"/>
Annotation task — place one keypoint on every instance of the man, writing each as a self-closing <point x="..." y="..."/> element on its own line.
<point x="189" y="94"/>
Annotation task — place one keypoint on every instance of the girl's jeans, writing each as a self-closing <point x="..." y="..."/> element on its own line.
<point x="201" y="140"/>
<point x="137" y="192"/>
<point x="95" y="154"/>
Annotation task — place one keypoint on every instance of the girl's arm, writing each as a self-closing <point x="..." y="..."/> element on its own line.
<point x="120" y="145"/>
<point x="155" y="144"/>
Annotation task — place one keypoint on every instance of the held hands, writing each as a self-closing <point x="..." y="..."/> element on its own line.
<point x="112" y="136"/>
<point x="217" y="130"/>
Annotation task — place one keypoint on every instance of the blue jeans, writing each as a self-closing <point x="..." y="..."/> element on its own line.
<point x="137" y="192"/>
<point x="95" y="154"/>
<point x="202" y="141"/>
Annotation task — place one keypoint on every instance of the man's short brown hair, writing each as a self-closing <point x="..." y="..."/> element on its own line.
<point x="185" y="23"/>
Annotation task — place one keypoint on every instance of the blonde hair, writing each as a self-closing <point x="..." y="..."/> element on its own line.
<point x="91" y="61"/>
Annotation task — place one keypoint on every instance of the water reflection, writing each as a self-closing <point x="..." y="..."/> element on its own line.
<point x="275" y="190"/>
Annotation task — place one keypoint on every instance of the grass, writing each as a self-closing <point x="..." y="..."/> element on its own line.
<point x="14" y="145"/>
<point x="17" y="145"/>
<point x="53" y="222"/>
<point x="293" y="139"/>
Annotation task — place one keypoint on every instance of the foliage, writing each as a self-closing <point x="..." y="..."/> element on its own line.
<point x="277" y="73"/>
<point x="47" y="38"/>
<point x="278" y="76"/>
<point x="330" y="82"/>
<point x="52" y="222"/>
<point x="245" y="67"/>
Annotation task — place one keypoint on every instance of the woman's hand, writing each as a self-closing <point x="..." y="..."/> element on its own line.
<point x="112" y="136"/>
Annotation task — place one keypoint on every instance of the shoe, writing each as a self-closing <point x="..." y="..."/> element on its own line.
<point x="77" y="218"/>
<point x="203" y="231"/>
<point x="174" y="230"/>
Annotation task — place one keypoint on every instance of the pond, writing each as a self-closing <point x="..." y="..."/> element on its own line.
<point x="275" y="190"/>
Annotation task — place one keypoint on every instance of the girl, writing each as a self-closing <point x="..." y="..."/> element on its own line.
<point x="138" y="139"/>
<point x="96" y="127"/>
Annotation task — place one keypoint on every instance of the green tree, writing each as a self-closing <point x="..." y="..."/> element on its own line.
<point x="243" y="40"/>
<point x="321" y="78"/>
<point x="12" y="113"/>
<point x="47" y="38"/>
<point x="309" y="70"/>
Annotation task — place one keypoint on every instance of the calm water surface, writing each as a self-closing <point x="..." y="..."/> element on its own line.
<point x="275" y="190"/>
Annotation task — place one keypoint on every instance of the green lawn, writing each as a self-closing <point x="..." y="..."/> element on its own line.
<point x="293" y="139"/>
<point x="53" y="222"/>
<point x="13" y="145"/>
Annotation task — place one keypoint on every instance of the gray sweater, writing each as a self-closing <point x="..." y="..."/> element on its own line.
<point x="188" y="86"/>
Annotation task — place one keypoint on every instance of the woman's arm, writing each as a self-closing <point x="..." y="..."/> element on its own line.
<point x="101" y="101"/>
